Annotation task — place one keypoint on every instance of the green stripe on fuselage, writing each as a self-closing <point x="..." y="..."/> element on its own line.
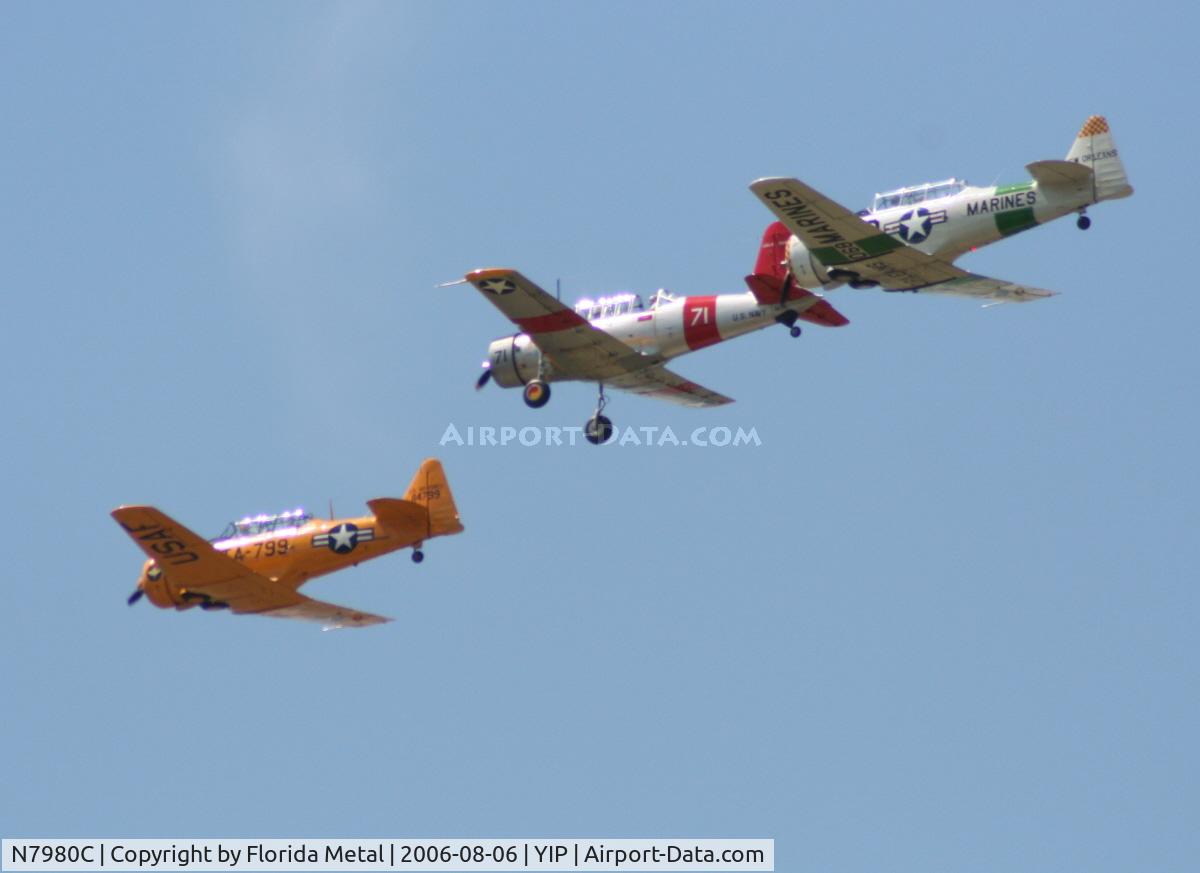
<point x="1013" y="189"/>
<point x="1015" y="220"/>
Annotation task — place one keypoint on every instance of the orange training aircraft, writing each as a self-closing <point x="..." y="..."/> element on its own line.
<point x="257" y="564"/>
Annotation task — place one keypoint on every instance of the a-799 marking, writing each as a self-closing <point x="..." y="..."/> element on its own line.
<point x="268" y="548"/>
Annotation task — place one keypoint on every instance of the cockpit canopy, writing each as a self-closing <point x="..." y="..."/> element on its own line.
<point x="605" y="307"/>
<point x="251" y="526"/>
<point x="620" y="304"/>
<point x="917" y="194"/>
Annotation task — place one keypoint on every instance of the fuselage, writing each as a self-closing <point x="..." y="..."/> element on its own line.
<point x="671" y="327"/>
<point x="943" y="219"/>
<point x="949" y="226"/>
<point x="291" y="554"/>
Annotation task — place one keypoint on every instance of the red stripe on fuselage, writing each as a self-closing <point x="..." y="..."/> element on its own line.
<point x="700" y="321"/>
<point x="561" y="320"/>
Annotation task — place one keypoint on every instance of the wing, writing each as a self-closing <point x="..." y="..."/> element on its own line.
<point x="330" y="615"/>
<point x="841" y="240"/>
<point x="974" y="285"/>
<point x="192" y="564"/>
<point x="661" y="383"/>
<point x="574" y="347"/>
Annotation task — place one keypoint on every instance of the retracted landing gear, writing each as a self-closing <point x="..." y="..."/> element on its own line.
<point x="788" y="319"/>
<point x="851" y="278"/>
<point x="537" y="391"/>
<point x="1083" y="222"/>
<point x="536" y="394"/>
<point x="598" y="429"/>
<point x="204" y="601"/>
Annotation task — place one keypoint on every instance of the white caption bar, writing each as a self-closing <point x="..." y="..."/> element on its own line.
<point x="440" y="854"/>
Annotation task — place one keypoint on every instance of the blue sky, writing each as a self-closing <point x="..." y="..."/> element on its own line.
<point x="942" y="618"/>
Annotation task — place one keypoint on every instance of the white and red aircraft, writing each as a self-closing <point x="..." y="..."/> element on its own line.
<point x="907" y="241"/>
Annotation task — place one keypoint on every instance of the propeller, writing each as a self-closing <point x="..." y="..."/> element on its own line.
<point x="137" y="595"/>
<point x="483" y="380"/>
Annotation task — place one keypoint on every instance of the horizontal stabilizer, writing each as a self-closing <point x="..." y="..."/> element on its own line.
<point x="808" y="306"/>
<point x="824" y="314"/>
<point x="1063" y="180"/>
<point x="1060" y="174"/>
<point x="402" y="518"/>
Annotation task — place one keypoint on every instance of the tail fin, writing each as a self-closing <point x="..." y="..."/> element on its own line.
<point x="1094" y="148"/>
<point x="772" y="282"/>
<point x="772" y="256"/>
<point x="430" y="489"/>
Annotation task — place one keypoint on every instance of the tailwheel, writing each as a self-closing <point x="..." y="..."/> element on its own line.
<point x="788" y="319"/>
<point x="418" y="556"/>
<point x="1083" y="222"/>
<point x="536" y="394"/>
<point x="598" y="430"/>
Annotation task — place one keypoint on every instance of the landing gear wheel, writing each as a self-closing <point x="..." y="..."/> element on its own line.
<point x="418" y="556"/>
<point x="194" y="597"/>
<point x="536" y="394"/>
<point x="1083" y="222"/>
<point x="598" y="430"/>
<point x="214" y="604"/>
<point x="795" y="331"/>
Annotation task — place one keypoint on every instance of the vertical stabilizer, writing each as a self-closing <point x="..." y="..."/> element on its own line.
<point x="772" y="254"/>
<point x="1094" y="148"/>
<point x="430" y="489"/>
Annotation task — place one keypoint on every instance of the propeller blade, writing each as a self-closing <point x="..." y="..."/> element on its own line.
<point x="483" y="380"/>
<point x="137" y="595"/>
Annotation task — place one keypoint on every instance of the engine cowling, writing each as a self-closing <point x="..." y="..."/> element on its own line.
<point x="809" y="272"/>
<point x="158" y="590"/>
<point x="513" y="360"/>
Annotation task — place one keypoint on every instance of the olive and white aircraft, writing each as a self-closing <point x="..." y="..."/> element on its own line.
<point x="907" y="241"/>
